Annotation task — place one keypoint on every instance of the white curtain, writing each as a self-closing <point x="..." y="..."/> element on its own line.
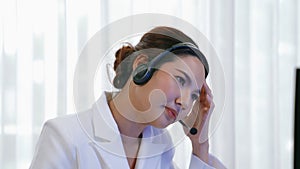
<point x="257" y="42"/>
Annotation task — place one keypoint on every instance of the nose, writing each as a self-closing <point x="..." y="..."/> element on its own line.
<point x="182" y="101"/>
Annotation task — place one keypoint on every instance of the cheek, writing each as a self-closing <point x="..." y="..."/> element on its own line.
<point x="184" y="113"/>
<point x="169" y="87"/>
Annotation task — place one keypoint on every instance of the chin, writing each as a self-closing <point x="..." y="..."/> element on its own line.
<point x="163" y="123"/>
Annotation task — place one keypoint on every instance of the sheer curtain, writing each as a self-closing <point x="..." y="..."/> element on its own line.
<point x="257" y="43"/>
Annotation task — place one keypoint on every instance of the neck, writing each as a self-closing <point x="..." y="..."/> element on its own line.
<point x="123" y="114"/>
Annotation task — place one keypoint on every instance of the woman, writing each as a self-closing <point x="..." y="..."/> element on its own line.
<point x="161" y="80"/>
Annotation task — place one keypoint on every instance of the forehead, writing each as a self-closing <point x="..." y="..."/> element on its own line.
<point x="188" y="64"/>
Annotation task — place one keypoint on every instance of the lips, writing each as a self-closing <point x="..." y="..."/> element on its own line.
<point x="171" y="113"/>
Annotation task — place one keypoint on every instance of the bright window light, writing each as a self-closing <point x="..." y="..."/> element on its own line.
<point x="10" y="129"/>
<point x="38" y="71"/>
<point x="10" y="27"/>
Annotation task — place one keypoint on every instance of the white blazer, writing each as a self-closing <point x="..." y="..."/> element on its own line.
<point x="91" y="140"/>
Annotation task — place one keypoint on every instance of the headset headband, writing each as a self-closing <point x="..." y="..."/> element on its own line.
<point x="184" y="45"/>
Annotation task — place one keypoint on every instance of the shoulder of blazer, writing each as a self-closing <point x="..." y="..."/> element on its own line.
<point x="69" y="127"/>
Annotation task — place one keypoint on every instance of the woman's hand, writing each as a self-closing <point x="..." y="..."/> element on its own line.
<point x="199" y="117"/>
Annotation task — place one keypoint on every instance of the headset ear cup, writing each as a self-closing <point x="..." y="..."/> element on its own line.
<point x="142" y="74"/>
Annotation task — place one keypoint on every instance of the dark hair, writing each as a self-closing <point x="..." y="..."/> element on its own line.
<point x="158" y="38"/>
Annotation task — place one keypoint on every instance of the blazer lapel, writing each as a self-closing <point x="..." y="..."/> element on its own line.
<point x="110" y="156"/>
<point x="107" y="141"/>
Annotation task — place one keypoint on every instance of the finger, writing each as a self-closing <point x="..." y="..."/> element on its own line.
<point x="203" y="89"/>
<point x="208" y="101"/>
<point x="207" y="89"/>
<point x="202" y="94"/>
<point x="205" y="103"/>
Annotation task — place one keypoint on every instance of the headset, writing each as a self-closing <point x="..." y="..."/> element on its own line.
<point x="143" y="73"/>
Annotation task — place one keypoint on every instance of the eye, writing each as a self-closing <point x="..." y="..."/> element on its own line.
<point x="195" y="97"/>
<point x="180" y="80"/>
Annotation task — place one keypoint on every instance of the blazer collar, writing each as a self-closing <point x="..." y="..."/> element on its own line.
<point x="104" y="125"/>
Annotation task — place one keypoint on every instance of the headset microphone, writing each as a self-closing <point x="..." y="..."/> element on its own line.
<point x="193" y="130"/>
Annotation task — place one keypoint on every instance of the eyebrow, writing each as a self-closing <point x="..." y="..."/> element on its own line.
<point x="187" y="77"/>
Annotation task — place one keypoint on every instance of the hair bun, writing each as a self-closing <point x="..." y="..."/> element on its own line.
<point x="122" y="53"/>
<point x="122" y="70"/>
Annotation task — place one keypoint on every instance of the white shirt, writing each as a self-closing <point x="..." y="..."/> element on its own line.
<point x="91" y="140"/>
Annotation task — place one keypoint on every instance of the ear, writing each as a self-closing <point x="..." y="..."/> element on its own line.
<point x="140" y="59"/>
